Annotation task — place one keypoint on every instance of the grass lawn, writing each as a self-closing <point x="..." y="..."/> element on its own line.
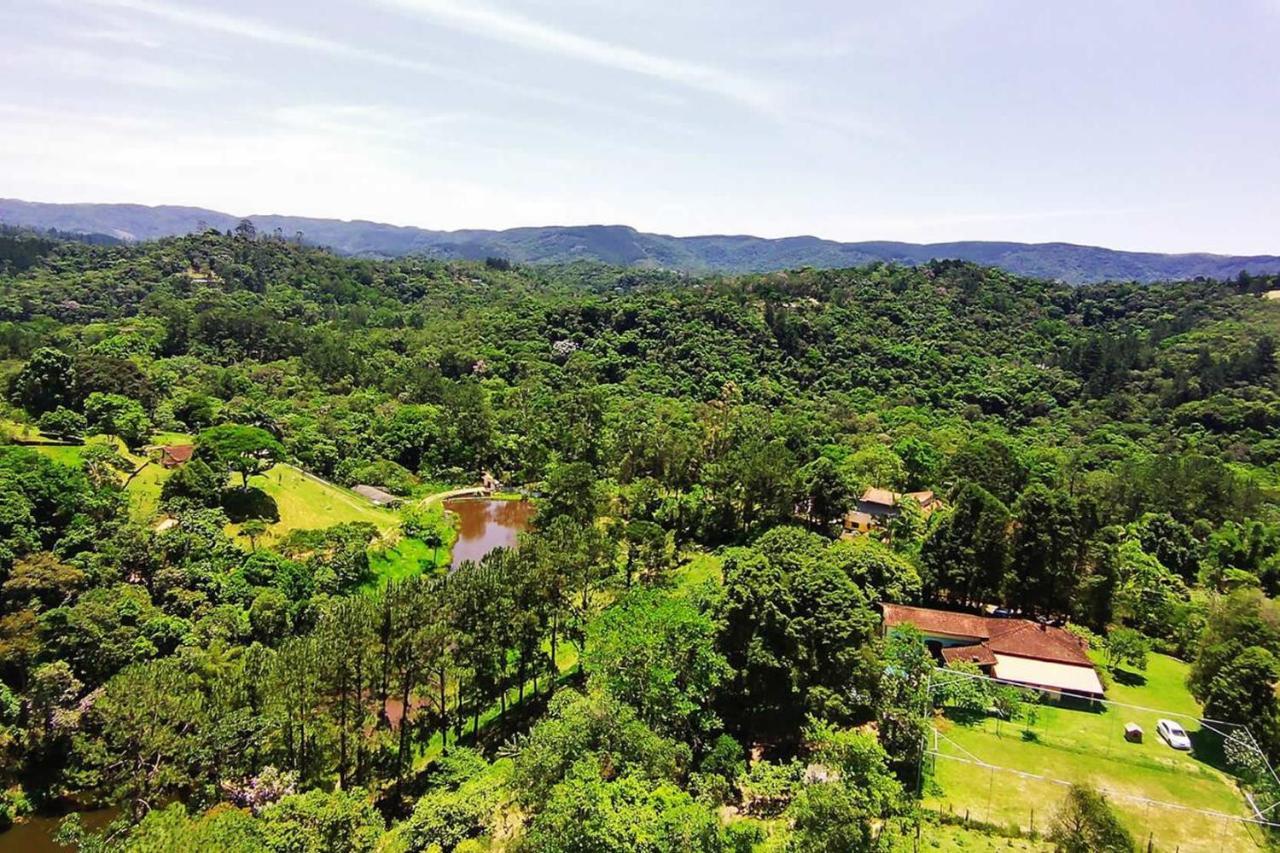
<point x="143" y="489"/>
<point x="307" y="503"/>
<point x="1074" y="744"/>
<point x="172" y="438"/>
<point x="698" y="568"/>
<point x="405" y="558"/>
<point x="944" y="838"/>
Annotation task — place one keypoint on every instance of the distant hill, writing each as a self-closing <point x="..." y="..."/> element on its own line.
<point x="625" y="246"/>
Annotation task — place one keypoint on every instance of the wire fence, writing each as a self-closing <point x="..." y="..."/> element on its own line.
<point x="982" y="764"/>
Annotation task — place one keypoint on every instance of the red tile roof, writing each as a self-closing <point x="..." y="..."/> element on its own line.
<point x="176" y="453"/>
<point x="1020" y="637"/>
<point x="979" y="654"/>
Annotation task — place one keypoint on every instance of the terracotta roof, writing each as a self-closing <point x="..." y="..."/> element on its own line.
<point x="1042" y="642"/>
<point x="923" y="498"/>
<point x="178" y="452"/>
<point x="1020" y="637"/>
<point x="979" y="654"/>
<point x="937" y="621"/>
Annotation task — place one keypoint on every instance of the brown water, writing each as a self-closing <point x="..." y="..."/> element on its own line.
<point x="486" y="524"/>
<point x="35" y="835"/>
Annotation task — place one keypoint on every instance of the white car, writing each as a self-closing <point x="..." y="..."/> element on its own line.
<point x="1173" y="734"/>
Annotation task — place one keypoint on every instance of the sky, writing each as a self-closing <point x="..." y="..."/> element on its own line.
<point x="1134" y="124"/>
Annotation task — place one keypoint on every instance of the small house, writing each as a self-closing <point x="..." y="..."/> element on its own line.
<point x="1018" y="651"/>
<point x="877" y="506"/>
<point x="173" y="455"/>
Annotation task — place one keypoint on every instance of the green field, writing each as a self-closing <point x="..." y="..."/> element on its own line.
<point x="309" y="503"/>
<point x="407" y="557"/>
<point x="943" y="838"/>
<point x="304" y="502"/>
<point x="1078" y="745"/>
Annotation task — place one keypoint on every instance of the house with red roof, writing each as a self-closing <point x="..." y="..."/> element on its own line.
<point x="173" y="455"/>
<point x="1019" y="651"/>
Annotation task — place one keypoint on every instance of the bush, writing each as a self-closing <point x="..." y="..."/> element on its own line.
<point x="743" y="836"/>
<point x="194" y="483"/>
<point x="63" y="423"/>
<point x="382" y="473"/>
<point x="1085" y="823"/>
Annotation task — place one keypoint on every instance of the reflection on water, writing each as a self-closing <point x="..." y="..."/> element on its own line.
<point x="484" y="525"/>
<point x="35" y="835"/>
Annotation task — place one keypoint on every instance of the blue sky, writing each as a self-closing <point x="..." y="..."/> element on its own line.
<point x="1132" y="124"/>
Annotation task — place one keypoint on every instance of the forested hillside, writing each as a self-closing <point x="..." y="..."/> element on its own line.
<point x="622" y="245"/>
<point x="684" y="636"/>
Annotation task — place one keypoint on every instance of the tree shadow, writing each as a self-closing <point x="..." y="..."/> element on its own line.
<point x="1207" y="747"/>
<point x="252" y="503"/>
<point x="1128" y="679"/>
<point x="965" y="716"/>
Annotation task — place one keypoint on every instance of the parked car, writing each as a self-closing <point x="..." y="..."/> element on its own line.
<point x="1173" y="734"/>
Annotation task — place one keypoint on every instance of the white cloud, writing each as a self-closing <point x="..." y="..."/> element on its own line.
<point x="267" y="33"/>
<point x="120" y="70"/>
<point x="132" y="38"/>
<point x="512" y="28"/>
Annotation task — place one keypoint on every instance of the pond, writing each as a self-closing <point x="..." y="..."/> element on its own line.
<point x="484" y="525"/>
<point x="35" y="835"/>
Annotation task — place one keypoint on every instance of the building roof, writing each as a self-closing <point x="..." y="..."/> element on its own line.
<point x="979" y="653"/>
<point x="1071" y="678"/>
<point x="376" y="495"/>
<point x="177" y="453"/>
<point x="1020" y="637"/>
<point x="859" y="519"/>
<point x="884" y="497"/>
<point x="933" y="621"/>
<point x="926" y="498"/>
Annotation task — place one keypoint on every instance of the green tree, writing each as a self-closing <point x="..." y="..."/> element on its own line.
<point x="46" y="382"/>
<point x="1125" y="645"/>
<point x="193" y="483"/>
<point x="322" y="822"/>
<point x="1045" y="549"/>
<point x="114" y="414"/>
<point x="1085" y="823"/>
<point x="587" y="813"/>
<point x="269" y="617"/>
<point x="966" y="552"/>
<point x="992" y="464"/>
<point x="142" y="737"/>
<point x="656" y="652"/>
<point x="245" y="450"/>
<point x="839" y="811"/>
<point x="825" y="492"/>
<point x="572" y="491"/>
<point x="63" y="423"/>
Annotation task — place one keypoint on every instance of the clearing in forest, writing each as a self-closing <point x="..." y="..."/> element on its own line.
<point x="1015" y="772"/>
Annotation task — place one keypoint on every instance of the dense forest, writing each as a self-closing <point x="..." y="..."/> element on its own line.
<point x="683" y="653"/>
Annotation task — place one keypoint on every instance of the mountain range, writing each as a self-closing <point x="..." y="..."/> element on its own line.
<point x="625" y="246"/>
